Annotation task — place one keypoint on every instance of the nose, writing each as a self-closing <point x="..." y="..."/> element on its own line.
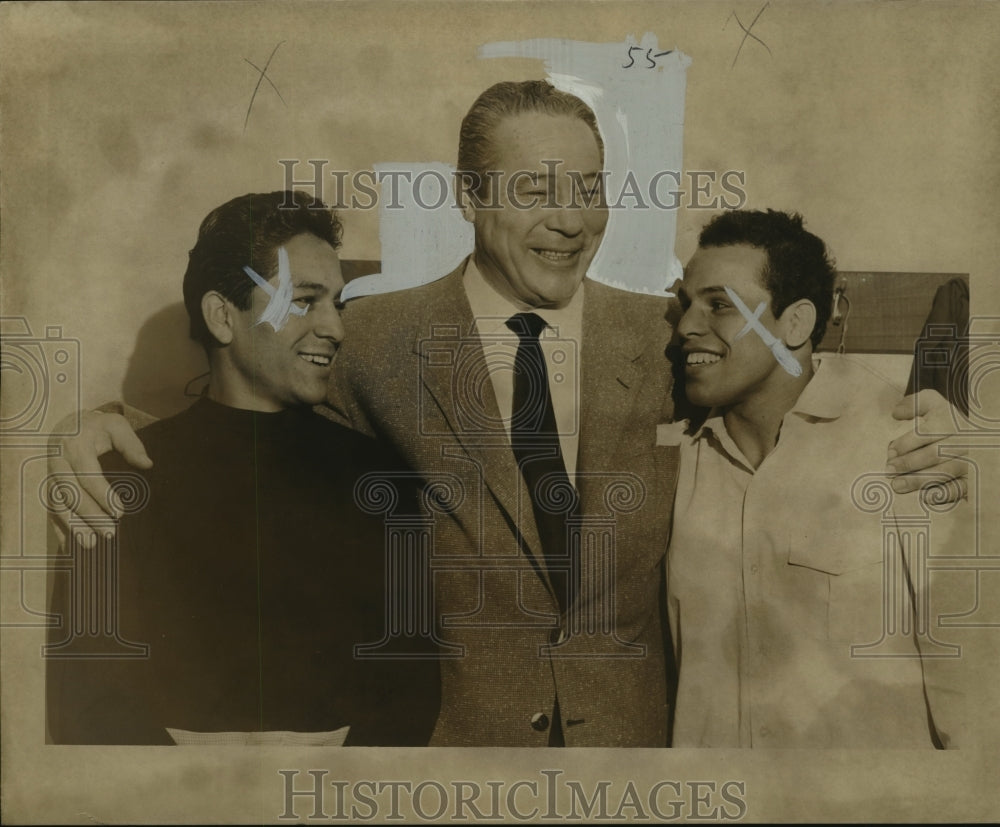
<point x="566" y="220"/>
<point x="691" y="323"/>
<point x="327" y="323"/>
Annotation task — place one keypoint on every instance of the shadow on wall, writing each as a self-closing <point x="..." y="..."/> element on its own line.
<point x="162" y="375"/>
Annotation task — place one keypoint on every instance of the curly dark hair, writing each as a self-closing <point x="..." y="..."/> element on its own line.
<point x="798" y="264"/>
<point x="248" y="231"/>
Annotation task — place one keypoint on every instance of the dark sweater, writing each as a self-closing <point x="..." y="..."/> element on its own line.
<point x="251" y="574"/>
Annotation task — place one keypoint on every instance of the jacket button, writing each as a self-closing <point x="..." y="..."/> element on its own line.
<point x="540" y="721"/>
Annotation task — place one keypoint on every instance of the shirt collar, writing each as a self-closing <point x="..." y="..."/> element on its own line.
<point x="492" y="310"/>
<point x="822" y="398"/>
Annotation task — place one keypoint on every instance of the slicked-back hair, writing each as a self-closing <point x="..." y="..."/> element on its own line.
<point x="798" y="264"/>
<point x="477" y="153"/>
<point x="248" y="231"/>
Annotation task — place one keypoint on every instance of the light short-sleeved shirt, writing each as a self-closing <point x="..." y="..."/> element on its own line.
<point x="789" y="602"/>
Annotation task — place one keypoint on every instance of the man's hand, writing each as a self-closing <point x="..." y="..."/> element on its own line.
<point x="924" y="448"/>
<point x="78" y="461"/>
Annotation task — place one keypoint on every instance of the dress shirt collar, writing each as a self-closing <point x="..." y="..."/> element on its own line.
<point x="492" y="310"/>
<point x="822" y="398"/>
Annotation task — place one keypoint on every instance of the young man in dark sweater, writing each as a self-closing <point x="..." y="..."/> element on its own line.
<point x="252" y="573"/>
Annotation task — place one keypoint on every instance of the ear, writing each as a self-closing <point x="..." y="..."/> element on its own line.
<point x="798" y="322"/>
<point x="218" y="315"/>
<point x="465" y="198"/>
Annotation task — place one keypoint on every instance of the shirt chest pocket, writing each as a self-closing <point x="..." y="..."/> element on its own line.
<point x="849" y="563"/>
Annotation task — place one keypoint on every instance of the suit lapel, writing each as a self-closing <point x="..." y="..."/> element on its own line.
<point x="611" y="373"/>
<point x="454" y="375"/>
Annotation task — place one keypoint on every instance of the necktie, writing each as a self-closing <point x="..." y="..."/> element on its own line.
<point x="535" y="441"/>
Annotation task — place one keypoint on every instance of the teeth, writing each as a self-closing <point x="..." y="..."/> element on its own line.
<point x="702" y="358"/>
<point x="317" y="359"/>
<point x="554" y="255"/>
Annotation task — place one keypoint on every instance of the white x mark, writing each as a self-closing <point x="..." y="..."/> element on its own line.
<point x="280" y="306"/>
<point x="777" y="347"/>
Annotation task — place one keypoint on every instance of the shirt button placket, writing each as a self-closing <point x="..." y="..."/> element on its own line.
<point x="752" y="595"/>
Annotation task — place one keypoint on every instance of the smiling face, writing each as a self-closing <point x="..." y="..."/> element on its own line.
<point x="272" y="370"/>
<point x="530" y="251"/>
<point x="721" y="370"/>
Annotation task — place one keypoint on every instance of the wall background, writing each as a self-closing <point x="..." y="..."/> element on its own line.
<point x="123" y="125"/>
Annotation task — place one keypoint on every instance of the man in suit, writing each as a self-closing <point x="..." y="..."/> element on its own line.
<point x="542" y="646"/>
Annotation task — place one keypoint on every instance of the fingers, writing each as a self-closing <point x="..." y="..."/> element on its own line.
<point x="945" y="491"/>
<point x="79" y="478"/>
<point x="920" y="403"/>
<point x="951" y="474"/>
<point x="80" y="464"/>
<point x="126" y="443"/>
<point x="934" y="419"/>
<point x="910" y="442"/>
<point x="930" y="457"/>
<point x="100" y="433"/>
<point x="920" y="457"/>
<point x="86" y="511"/>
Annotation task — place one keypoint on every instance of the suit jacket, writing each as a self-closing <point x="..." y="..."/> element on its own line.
<point x="412" y="372"/>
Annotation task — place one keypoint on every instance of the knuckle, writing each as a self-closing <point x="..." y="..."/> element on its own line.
<point x="929" y="454"/>
<point x="903" y="464"/>
<point x="901" y="446"/>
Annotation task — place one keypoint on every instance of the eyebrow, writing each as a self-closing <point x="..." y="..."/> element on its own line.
<point x="704" y="291"/>
<point x="322" y="289"/>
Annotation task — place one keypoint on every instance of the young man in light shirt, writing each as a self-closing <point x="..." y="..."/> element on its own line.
<point x="778" y="568"/>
